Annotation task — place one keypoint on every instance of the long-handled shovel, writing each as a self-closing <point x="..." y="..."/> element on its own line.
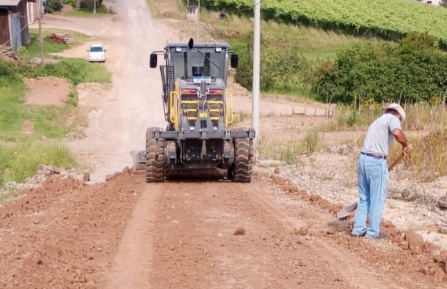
<point x="351" y="208"/>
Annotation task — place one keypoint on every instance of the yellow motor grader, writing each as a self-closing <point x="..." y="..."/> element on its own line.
<point x="198" y="109"/>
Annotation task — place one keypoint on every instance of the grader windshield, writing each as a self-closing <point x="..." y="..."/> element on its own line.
<point x="203" y="60"/>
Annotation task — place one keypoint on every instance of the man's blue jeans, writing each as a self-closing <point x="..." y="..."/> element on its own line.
<point x="373" y="180"/>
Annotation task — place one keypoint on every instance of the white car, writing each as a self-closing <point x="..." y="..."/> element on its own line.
<point x="96" y="53"/>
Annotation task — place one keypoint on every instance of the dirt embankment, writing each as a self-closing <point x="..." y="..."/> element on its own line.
<point x="64" y="234"/>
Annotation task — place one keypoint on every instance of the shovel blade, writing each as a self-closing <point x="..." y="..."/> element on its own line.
<point x="346" y="211"/>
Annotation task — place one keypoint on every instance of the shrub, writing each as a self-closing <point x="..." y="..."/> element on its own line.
<point x="53" y="5"/>
<point x="411" y="71"/>
<point x="282" y="67"/>
<point x="72" y="3"/>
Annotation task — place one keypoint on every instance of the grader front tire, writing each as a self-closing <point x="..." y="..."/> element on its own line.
<point x="155" y="157"/>
<point x="243" y="162"/>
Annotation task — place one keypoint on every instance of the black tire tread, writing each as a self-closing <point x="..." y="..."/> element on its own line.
<point x="243" y="164"/>
<point x="155" y="157"/>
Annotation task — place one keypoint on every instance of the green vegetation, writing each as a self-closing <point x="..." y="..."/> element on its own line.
<point x="288" y="62"/>
<point x="288" y="151"/>
<point x="33" y="50"/>
<point x="24" y="127"/>
<point x="18" y="162"/>
<point x="413" y="70"/>
<point x="87" y="12"/>
<point x="76" y="70"/>
<point x="47" y="122"/>
<point x="53" y="5"/>
<point x="389" y="19"/>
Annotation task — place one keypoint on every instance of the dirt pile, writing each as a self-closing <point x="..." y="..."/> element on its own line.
<point x="63" y="234"/>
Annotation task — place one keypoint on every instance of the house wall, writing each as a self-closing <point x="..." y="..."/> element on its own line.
<point x="21" y="8"/>
<point x="32" y="12"/>
<point x="4" y="27"/>
<point x="19" y="15"/>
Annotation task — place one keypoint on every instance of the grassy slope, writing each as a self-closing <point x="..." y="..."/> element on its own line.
<point x="20" y="153"/>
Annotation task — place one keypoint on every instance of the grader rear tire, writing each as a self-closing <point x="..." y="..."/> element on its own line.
<point x="155" y="157"/>
<point x="243" y="163"/>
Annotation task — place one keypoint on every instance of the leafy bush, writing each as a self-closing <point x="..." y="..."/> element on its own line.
<point x="7" y="73"/>
<point x="53" y="5"/>
<point x="412" y="70"/>
<point x="282" y="67"/>
<point x="72" y="3"/>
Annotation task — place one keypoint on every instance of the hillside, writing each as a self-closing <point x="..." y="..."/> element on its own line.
<point x="389" y="19"/>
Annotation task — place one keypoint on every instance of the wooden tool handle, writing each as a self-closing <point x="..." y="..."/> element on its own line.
<point x="396" y="161"/>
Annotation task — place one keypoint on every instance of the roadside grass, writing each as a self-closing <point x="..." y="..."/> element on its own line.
<point x="74" y="69"/>
<point x="20" y="161"/>
<point x="33" y="50"/>
<point x="420" y="116"/>
<point x="425" y="126"/>
<point x="312" y="43"/>
<point x="167" y="9"/>
<point x="97" y="73"/>
<point x="287" y="151"/>
<point x="428" y="158"/>
<point x="87" y="12"/>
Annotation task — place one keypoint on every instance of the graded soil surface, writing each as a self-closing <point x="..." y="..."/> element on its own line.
<point x="196" y="234"/>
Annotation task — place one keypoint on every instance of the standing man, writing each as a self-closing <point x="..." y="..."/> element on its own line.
<point x="373" y="170"/>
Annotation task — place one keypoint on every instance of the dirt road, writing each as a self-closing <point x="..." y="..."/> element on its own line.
<point x="196" y="233"/>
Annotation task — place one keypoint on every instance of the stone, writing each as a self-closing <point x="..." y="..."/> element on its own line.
<point x="409" y="194"/>
<point x="86" y="177"/>
<point x="239" y="231"/>
<point x="442" y="203"/>
<point x="276" y="171"/>
<point x="415" y="241"/>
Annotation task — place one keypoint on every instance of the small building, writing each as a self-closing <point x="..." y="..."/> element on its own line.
<point x="14" y="31"/>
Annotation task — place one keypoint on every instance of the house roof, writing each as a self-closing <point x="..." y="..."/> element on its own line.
<point x="9" y="2"/>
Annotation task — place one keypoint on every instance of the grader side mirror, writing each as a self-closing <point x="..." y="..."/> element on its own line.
<point x="190" y="43"/>
<point x="153" y="60"/>
<point x="234" y="60"/>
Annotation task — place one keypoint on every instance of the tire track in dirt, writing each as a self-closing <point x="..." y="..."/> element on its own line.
<point x="196" y="245"/>
<point x="132" y="262"/>
<point x="229" y="235"/>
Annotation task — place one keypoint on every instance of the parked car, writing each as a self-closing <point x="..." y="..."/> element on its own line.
<point x="96" y="53"/>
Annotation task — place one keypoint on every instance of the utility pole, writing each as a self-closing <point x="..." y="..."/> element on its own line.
<point x="256" y="67"/>
<point x="94" y="6"/>
<point x="198" y="20"/>
<point x="39" y="15"/>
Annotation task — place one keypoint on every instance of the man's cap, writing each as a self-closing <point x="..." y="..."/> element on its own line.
<point x="398" y="108"/>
